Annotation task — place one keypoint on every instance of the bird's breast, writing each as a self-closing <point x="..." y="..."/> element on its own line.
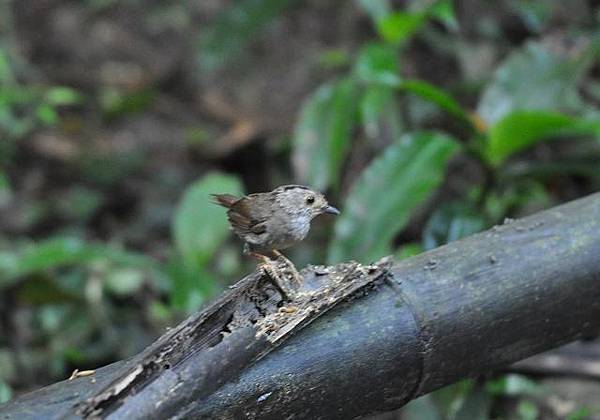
<point x="285" y="232"/>
<point x="299" y="227"/>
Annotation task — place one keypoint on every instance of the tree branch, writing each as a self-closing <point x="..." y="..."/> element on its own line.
<point x="359" y="339"/>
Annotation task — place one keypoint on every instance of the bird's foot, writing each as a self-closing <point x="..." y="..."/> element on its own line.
<point x="286" y="279"/>
<point x="279" y="280"/>
<point x="290" y="269"/>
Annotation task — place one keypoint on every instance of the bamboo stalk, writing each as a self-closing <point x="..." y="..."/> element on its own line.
<point x="359" y="339"/>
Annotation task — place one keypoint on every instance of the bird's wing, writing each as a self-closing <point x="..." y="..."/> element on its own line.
<point x="246" y="218"/>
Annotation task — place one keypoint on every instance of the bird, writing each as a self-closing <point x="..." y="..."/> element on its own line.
<point x="271" y="221"/>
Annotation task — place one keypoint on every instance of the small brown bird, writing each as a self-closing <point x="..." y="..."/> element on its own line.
<point x="271" y="221"/>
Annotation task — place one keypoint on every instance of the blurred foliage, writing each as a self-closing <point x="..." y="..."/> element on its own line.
<point x="234" y="28"/>
<point x="24" y="108"/>
<point x="199" y="229"/>
<point x="424" y="123"/>
<point x="387" y="193"/>
<point x="538" y="76"/>
<point x="323" y="134"/>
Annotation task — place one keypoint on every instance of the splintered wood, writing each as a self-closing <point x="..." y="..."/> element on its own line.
<point x="322" y="289"/>
<point x="239" y="328"/>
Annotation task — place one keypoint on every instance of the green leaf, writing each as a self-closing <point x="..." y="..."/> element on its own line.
<point x="451" y="222"/>
<point x="5" y="392"/>
<point x="387" y="193"/>
<point x="444" y="11"/>
<point x="408" y="250"/>
<point x="581" y="413"/>
<point x="200" y="226"/>
<point x="377" y="63"/>
<point x="56" y="252"/>
<point x="514" y="385"/>
<point x="521" y="129"/>
<point x="190" y="285"/>
<point x="236" y="26"/>
<point x="47" y="114"/>
<point x="323" y="133"/>
<point x="437" y="96"/>
<point x="334" y="59"/>
<point x="116" y="103"/>
<point x="397" y="27"/>
<point x="535" y="77"/>
<point x="380" y="111"/>
<point x="60" y="95"/>
<point x="64" y="251"/>
<point x="124" y="281"/>
<point x="527" y="410"/>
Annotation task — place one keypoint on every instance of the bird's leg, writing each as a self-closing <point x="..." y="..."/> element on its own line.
<point x="277" y="277"/>
<point x="291" y="268"/>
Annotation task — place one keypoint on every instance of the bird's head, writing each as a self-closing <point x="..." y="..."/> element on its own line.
<point x="298" y="199"/>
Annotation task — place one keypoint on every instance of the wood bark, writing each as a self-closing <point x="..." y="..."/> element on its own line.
<point x="358" y="339"/>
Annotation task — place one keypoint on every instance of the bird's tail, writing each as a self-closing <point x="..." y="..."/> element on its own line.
<point x="225" y="200"/>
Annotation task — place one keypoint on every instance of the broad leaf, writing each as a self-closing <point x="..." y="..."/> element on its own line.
<point x="380" y="112"/>
<point x="61" y="95"/>
<point x="514" y="385"/>
<point x="57" y="252"/>
<point x="199" y="229"/>
<point x="377" y="63"/>
<point x="521" y="129"/>
<point x="398" y="26"/>
<point x="444" y="11"/>
<point x="190" y="286"/>
<point x="323" y="133"/>
<point x="387" y="193"/>
<point x="200" y="226"/>
<point x="535" y="77"/>
<point x="379" y="10"/>
<point x="437" y="96"/>
<point x="377" y="66"/>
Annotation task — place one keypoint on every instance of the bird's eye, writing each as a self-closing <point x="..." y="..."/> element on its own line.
<point x="310" y="199"/>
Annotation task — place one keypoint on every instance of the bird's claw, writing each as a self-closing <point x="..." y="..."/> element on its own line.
<point x="286" y="280"/>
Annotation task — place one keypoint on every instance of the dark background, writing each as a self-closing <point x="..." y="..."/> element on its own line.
<point x="423" y="121"/>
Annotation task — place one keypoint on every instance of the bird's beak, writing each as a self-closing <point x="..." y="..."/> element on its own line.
<point x="330" y="210"/>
